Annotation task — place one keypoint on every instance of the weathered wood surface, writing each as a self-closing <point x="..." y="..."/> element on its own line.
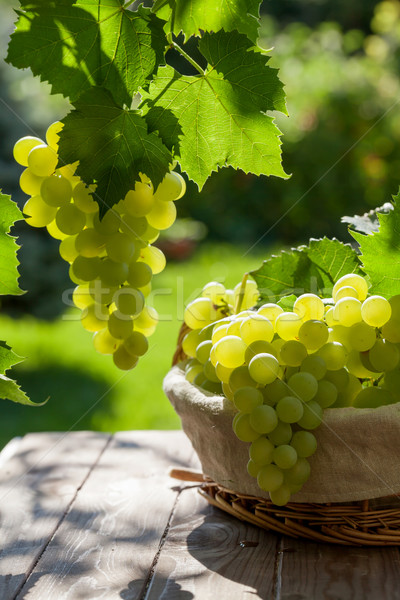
<point x="86" y="515"/>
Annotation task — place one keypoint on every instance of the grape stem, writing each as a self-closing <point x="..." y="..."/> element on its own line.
<point x="241" y="293"/>
<point x="188" y="58"/>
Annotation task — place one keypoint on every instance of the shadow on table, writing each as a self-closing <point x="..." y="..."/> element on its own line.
<point x="171" y="590"/>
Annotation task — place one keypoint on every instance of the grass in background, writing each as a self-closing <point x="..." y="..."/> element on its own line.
<point x="85" y="389"/>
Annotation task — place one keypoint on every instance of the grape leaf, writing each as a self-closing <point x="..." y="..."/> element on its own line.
<point x="287" y="302"/>
<point x="368" y="222"/>
<point x="221" y="113"/>
<point x="191" y="16"/>
<point x="75" y="46"/>
<point x="380" y="252"/>
<point x="10" y="390"/>
<point x="9" y="213"/>
<point x="307" y="269"/>
<point x="112" y="145"/>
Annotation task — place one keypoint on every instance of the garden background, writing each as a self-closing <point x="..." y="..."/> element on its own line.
<point x="339" y="62"/>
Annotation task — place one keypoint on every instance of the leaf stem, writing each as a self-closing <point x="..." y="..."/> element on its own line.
<point x="240" y="296"/>
<point x="188" y="58"/>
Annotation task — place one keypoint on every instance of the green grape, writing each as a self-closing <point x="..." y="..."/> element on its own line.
<point x="282" y="434"/>
<point x="203" y="351"/>
<point x="346" y="292"/>
<point x="314" y="365"/>
<point x="234" y="327"/>
<point x="305" y="443"/>
<point x="215" y="291"/>
<point x="275" y="391"/>
<point x="264" y="368"/>
<point x="40" y="214"/>
<point x="67" y="249"/>
<point x="270" y="311"/>
<point x="243" y="430"/>
<point x="81" y="297"/>
<point x="70" y="220"/>
<point x="334" y="354"/>
<point x="340" y="333"/>
<point x="123" y="360"/>
<point x="391" y="330"/>
<point x="222" y="372"/>
<point x="261" y="451"/>
<point x="298" y="474"/>
<point x="120" y="326"/>
<point x="86" y="269"/>
<point x="309" y="306"/>
<point x="327" y="393"/>
<point x="270" y="478"/>
<point x="147" y="321"/>
<point x="287" y="325"/>
<point x="193" y="371"/>
<point x="392" y="383"/>
<point x="259" y="347"/>
<point x="212" y="387"/>
<point x="339" y="378"/>
<point x="247" y="398"/>
<point x="120" y="247"/>
<point x="83" y="198"/>
<point x="355" y="366"/>
<point x="136" y="344"/>
<point x="172" y="187"/>
<point x="199" y="379"/>
<point x="68" y="171"/>
<point x="284" y="456"/>
<point x="219" y="332"/>
<point x="101" y="294"/>
<point x="30" y="183"/>
<point x="52" y="137"/>
<point x="22" y="148"/>
<point x="55" y="232"/>
<point x="191" y="340"/>
<point x="56" y="190"/>
<point x="256" y="328"/>
<point x="312" y="415"/>
<point x="292" y="353"/>
<point x="290" y="409"/>
<point x="281" y="496"/>
<point x="42" y="160"/>
<point x="89" y="243"/>
<point x="384" y="356"/>
<point x="227" y="391"/>
<point x="229" y="351"/>
<point x="249" y="297"/>
<point x="313" y="334"/>
<point x="347" y="311"/>
<point x="140" y="201"/>
<point x="154" y="257"/>
<point x="361" y="336"/>
<point x="346" y="396"/>
<point x="199" y="313"/>
<point x="139" y="274"/>
<point x="355" y="281"/>
<point x="240" y="377"/>
<point x="303" y="385"/>
<point x="162" y="215"/>
<point x="253" y="468"/>
<point x="373" y="397"/>
<point x="112" y="273"/>
<point x="129" y="301"/>
<point x="93" y="318"/>
<point x="210" y="372"/>
<point x="263" y="418"/>
<point x="134" y="226"/>
<point x="376" y="311"/>
<point x="104" y="343"/>
<point x="109" y="224"/>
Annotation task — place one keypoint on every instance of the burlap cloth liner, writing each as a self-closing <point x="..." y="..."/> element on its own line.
<point x="357" y="457"/>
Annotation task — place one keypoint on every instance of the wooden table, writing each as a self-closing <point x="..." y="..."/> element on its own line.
<point x="86" y="515"/>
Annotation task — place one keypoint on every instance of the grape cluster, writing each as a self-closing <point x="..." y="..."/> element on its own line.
<point x="281" y="369"/>
<point x="112" y="259"/>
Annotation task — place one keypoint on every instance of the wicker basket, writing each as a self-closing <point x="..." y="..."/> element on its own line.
<point x="371" y="521"/>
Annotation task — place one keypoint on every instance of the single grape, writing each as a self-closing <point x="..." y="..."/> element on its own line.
<point x="347" y="311"/>
<point x="263" y="418"/>
<point x="334" y="354"/>
<point x="123" y="360"/>
<point x="313" y="334"/>
<point x="292" y="353"/>
<point x="355" y="366"/>
<point x="193" y="371"/>
<point x="240" y="377"/>
<point x="52" y="137"/>
<point x="210" y="372"/>
<point x="162" y="215"/>
<point x="94" y="318"/>
<point x="355" y="281"/>
<point x="275" y="391"/>
<point x="172" y="187"/>
<point x="120" y="247"/>
<point x="42" y="160"/>
<point x="270" y="478"/>
<point x="140" y="201"/>
<point x="261" y="451"/>
<point x="246" y="399"/>
<point x="303" y="385"/>
<point x="39" y="213"/>
<point x="304" y="443"/>
<point x="298" y="474"/>
<point x="191" y="340"/>
<point x="129" y="301"/>
<point x="30" y="183"/>
<point x="376" y="311"/>
<point x="327" y="393"/>
<point x="309" y="306"/>
<point x="81" y="297"/>
<point x="136" y="344"/>
<point x="281" y="496"/>
<point x="203" y="351"/>
<point x="259" y="347"/>
<point x="282" y="434"/>
<point x="104" y="343"/>
<point x="222" y="372"/>
<point x="346" y="292"/>
<point x="154" y="257"/>
<point x="22" y="148"/>
<point x="264" y="368"/>
<point x="56" y="190"/>
<point x="86" y="269"/>
<point x="215" y="291"/>
<point x="256" y="328"/>
<point x="315" y="365"/>
<point x="70" y="220"/>
<point x="392" y="383"/>
<point x="339" y="378"/>
<point x="243" y="430"/>
<point x="373" y="397"/>
<point x="287" y="325"/>
<point x="89" y="243"/>
<point x="312" y="415"/>
<point x="361" y="336"/>
<point x="147" y="321"/>
<point x="253" y="468"/>
<point x="230" y="351"/>
<point x="384" y="356"/>
<point x="67" y="249"/>
<point x="391" y="330"/>
<point x="120" y="326"/>
<point x="112" y="273"/>
<point x="284" y="456"/>
<point x="199" y="313"/>
<point x="290" y="409"/>
<point x="219" y="332"/>
<point x="139" y="274"/>
<point x="270" y="311"/>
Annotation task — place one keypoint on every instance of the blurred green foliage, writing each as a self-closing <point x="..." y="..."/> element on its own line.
<point x="340" y="142"/>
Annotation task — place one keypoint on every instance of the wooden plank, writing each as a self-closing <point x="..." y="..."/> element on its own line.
<point x="309" y="570"/>
<point x="208" y="554"/>
<point x="37" y="483"/>
<point x="107" y="543"/>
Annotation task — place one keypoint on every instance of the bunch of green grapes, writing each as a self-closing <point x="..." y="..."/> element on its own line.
<point x="282" y="369"/>
<point x="112" y="259"/>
